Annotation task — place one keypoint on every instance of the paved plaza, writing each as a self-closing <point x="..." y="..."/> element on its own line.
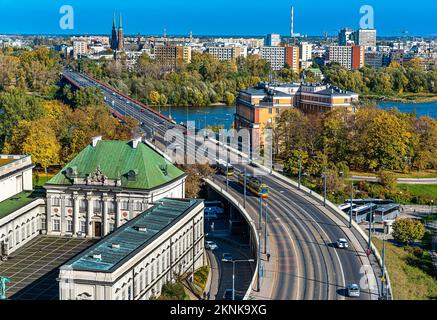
<point x="33" y="269"/>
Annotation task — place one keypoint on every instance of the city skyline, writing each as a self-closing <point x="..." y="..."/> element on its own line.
<point x="313" y="19"/>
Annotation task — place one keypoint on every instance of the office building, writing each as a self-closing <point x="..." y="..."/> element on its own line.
<point x="224" y="53"/>
<point x="275" y="56"/>
<point x="366" y="38"/>
<point x="136" y="260"/>
<point x="172" y="56"/>
<point x="306" y="55"/>
<point x="377" y="59"/>
<point x="80" y="48"/>
<point x="349" y="57"/>
<point x="346" y="37"/>
<point x="272" y="40"/>
<point x="292" y="58"/>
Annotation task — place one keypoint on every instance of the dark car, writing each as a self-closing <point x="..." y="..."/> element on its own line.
<point x="226" y="257"/>
<point x="227" y="295"/>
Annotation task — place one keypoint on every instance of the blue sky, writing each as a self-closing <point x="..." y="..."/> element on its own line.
<point x="218" y="17"/>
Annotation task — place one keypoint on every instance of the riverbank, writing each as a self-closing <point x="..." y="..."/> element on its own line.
<point x="404" y="98"/>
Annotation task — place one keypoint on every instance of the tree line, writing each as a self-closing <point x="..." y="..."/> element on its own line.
<point x="390" y="81"/>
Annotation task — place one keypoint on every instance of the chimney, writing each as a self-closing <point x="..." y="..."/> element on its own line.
<point x="95" y="140"/>
<point x="135" y="142"/>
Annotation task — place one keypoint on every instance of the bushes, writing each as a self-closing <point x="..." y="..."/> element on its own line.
<point x="172" y="291"/>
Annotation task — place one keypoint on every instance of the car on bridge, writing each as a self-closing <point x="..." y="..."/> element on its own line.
<point x="353" y="290"/>
<point x="342" y="243"/>
<point x="211" y="245"/>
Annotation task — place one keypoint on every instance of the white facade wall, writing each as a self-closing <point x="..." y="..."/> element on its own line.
<point x="274" y="55"/>
<point x="21" y="226"/>
<point x="96" y="212"/>
<point x="144" y="274"/>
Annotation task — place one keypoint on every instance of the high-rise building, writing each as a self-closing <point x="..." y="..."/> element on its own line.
<point x="345" y="37"/>
<point x="366" y="38"/>
<point x="349" y="57"/>
<point x="272" y="40"/>
<point x="224" y="53"/>
<point x="306" y="55"/>
<point x="274" y="55"/>
<point x="80" y="48"/>
<point x="172" y="56"/>
<point x="292" y="58"/>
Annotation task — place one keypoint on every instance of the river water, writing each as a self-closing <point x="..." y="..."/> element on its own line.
<point x="217" y="115"/>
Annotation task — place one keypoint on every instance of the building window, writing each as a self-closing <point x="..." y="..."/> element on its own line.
<point x="98" y="206"/>
<point x="56" y="225"/>
<point x="82" y="205"/>
<point x="69" y="226"/>
<point x="138" y="206"/>
<point x="56" y="202"/>
<point x="68" y="202"/>
<point x="270" y="110"/>
<point x="111" y="207"/>
<point x="83" y="226"/>
<point x="17" y="236"/>
<point x="111" y="227"/>
<point x="124" y="205"/>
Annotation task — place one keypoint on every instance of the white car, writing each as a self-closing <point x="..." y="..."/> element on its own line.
<point x="342" y="243"/>
<point x="211" y="245"/>
<point x="353" y="290"/>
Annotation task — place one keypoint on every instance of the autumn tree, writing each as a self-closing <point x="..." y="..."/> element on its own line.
<point x="408" y="230"/>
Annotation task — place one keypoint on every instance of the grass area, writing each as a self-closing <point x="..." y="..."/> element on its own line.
<point x="405" y="97"/>
<point x="200" y="278"/>
<point x="420" y="190"/>
<point x="417" y="174"/>
<point x="40" y="179"/>
<point x="411" y="272"/>
<point x="16" y="202"/>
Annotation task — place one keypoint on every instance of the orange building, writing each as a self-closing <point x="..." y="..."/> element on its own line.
<point x="292" y="58"/>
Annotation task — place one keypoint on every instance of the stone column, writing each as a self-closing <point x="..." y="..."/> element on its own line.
<point x="90" y="213"/>
<point x="75" y="215"/>
<point x="63" y="223"/>
<point x="131" y="209"/>
<point x="118" y="213"/>
<point x="105" y="229"/>
<point x="49" y="214"/>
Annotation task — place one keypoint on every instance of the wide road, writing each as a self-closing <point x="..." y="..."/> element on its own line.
<point x="301" y="235"/>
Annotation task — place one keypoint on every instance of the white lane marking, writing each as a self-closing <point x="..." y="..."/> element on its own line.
<point x="335" y="251"/>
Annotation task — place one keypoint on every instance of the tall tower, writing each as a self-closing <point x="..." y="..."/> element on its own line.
<point x="114" y="41"/>
<point x="292" y="22"/>
<point x="120" y="35"/>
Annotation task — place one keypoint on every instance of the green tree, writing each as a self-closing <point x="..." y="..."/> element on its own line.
<point x="408" y="230"/>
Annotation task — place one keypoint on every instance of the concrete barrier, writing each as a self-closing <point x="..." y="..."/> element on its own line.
<point x="252" y="225"/>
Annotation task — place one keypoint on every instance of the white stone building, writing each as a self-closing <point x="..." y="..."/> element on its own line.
<point x="21" y="210"/>
<point x="107" y="184"/>
<point x="136" y="260"/>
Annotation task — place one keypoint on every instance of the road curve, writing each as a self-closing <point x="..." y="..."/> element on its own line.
<point x="308" y="266"/>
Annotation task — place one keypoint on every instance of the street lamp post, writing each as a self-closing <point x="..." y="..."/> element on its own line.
<point x="300" y="169"/>
<point x="383" y="268"/>
<point x="350" y="209"/>
<point x="265" y="227"/>
<point x="245" y="187"/>
<point x="233" y="272"/>
<point x="324" y="189"/>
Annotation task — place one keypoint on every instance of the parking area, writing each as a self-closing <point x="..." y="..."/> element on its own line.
<point x="33" y="269"/>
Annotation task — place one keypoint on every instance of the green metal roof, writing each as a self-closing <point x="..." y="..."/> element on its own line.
<point x="116" y="159"/>
<point x="18" y="201"/>
<point x="132" y="237"/>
